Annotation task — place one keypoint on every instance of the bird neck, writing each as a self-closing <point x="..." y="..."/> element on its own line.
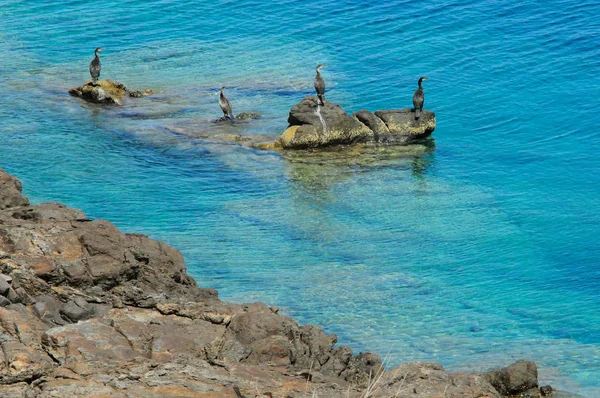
<point x="96" y="54"/>
<point x="420" y="82"/>
<point x="318" y="73"/>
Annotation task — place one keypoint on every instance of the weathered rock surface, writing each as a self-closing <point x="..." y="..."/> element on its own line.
<point x="312" y="126"/>
<point x="514" y="379"/>
<point x="90" y="311"/>
<point x="106" y="92"/>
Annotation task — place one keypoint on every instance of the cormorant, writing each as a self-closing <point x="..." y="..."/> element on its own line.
<point x="419" y="99"/>
<point x="225" y="105"/>
<point x="320" y="85"/>
<point x="95" y="66"/>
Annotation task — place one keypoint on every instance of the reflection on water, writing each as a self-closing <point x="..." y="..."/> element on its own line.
<point x="317" y="170"/>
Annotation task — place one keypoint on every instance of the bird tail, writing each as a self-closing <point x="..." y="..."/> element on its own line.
<point x="417" y="113"/>
<point x="321" y="99"/>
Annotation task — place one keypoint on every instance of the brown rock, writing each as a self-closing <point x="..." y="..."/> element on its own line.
<point x="322" y="126"/>
<point x="10" y="192"/>
<point x="90" y="341"/>
<point x="402" y="126"/>
<point x="514" y="379"/>
<point x="311" y="126"/>
<point x="106" y="92"/>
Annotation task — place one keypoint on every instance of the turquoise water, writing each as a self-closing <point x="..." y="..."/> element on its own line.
<point x="475" y="250"/>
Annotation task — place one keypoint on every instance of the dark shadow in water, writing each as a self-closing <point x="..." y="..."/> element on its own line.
<point x="316" y="171"/>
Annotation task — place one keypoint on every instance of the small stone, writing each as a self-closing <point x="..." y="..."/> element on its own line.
<point x="24" y="297"/>
<point x="76" y="310"/>
<point x="13" y="296"/>
<point x="546" y="390"/>
<point x="4" y="287"/>
<point x="46" y="308"/>
<point x="4" y="301"/>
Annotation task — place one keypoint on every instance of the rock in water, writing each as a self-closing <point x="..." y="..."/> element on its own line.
<point x="106" y="92"/>
<point x="402" y="126"/>
<point x="313" y="126"/>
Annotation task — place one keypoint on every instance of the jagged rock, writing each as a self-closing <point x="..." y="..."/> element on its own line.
<point x="77" y="310"/>
<point x="21" y="358"/>
<point x="431" y="380"/>
<point x="47" y="309"/>
<point x="4" y="287"/>
<point x="312" y="126"/>
<point x="106" y="92"/>
<point x="10" y="192"/>
<point x="165" y="336"/>
<point x="514" y="379"/>
<point x="363" y="368"/>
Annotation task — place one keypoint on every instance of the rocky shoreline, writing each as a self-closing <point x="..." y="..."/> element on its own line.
<point x="87" y="311"/>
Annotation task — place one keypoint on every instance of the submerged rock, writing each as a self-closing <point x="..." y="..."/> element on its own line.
<point x="239" y="117"/>
<point x="313" y="126"/>
<point x="106" y="92"/>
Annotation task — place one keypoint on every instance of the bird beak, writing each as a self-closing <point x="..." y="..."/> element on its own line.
<point x="100" y="49"/>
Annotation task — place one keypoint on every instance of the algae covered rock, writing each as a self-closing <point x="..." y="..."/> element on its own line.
<point x="313" y="126"/>
<point x="106" y="92"/>
<point x="403" y="128"/>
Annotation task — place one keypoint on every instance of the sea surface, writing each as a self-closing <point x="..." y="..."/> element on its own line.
<point x="475" y="249"/>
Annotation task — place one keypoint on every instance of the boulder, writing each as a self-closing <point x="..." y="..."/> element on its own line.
<point x="10" y="192"/>
<point x="47" y="309"/>
<point x="398" y="126"/>
<point x="514" y="379"/>
<point x="77" y="310"/>
<point x="4" y="287"/>
<point x="313" y="126"/>
<point x="106" y="92"/>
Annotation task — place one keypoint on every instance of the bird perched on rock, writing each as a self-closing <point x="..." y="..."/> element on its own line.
<point x="95" y="66"/>
<point x="320" y="85"/>
<point x="225" y="105"/>
<point x="419" y="99"/>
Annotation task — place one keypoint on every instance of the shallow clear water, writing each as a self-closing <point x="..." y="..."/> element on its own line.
<point x="476" y="250"/>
